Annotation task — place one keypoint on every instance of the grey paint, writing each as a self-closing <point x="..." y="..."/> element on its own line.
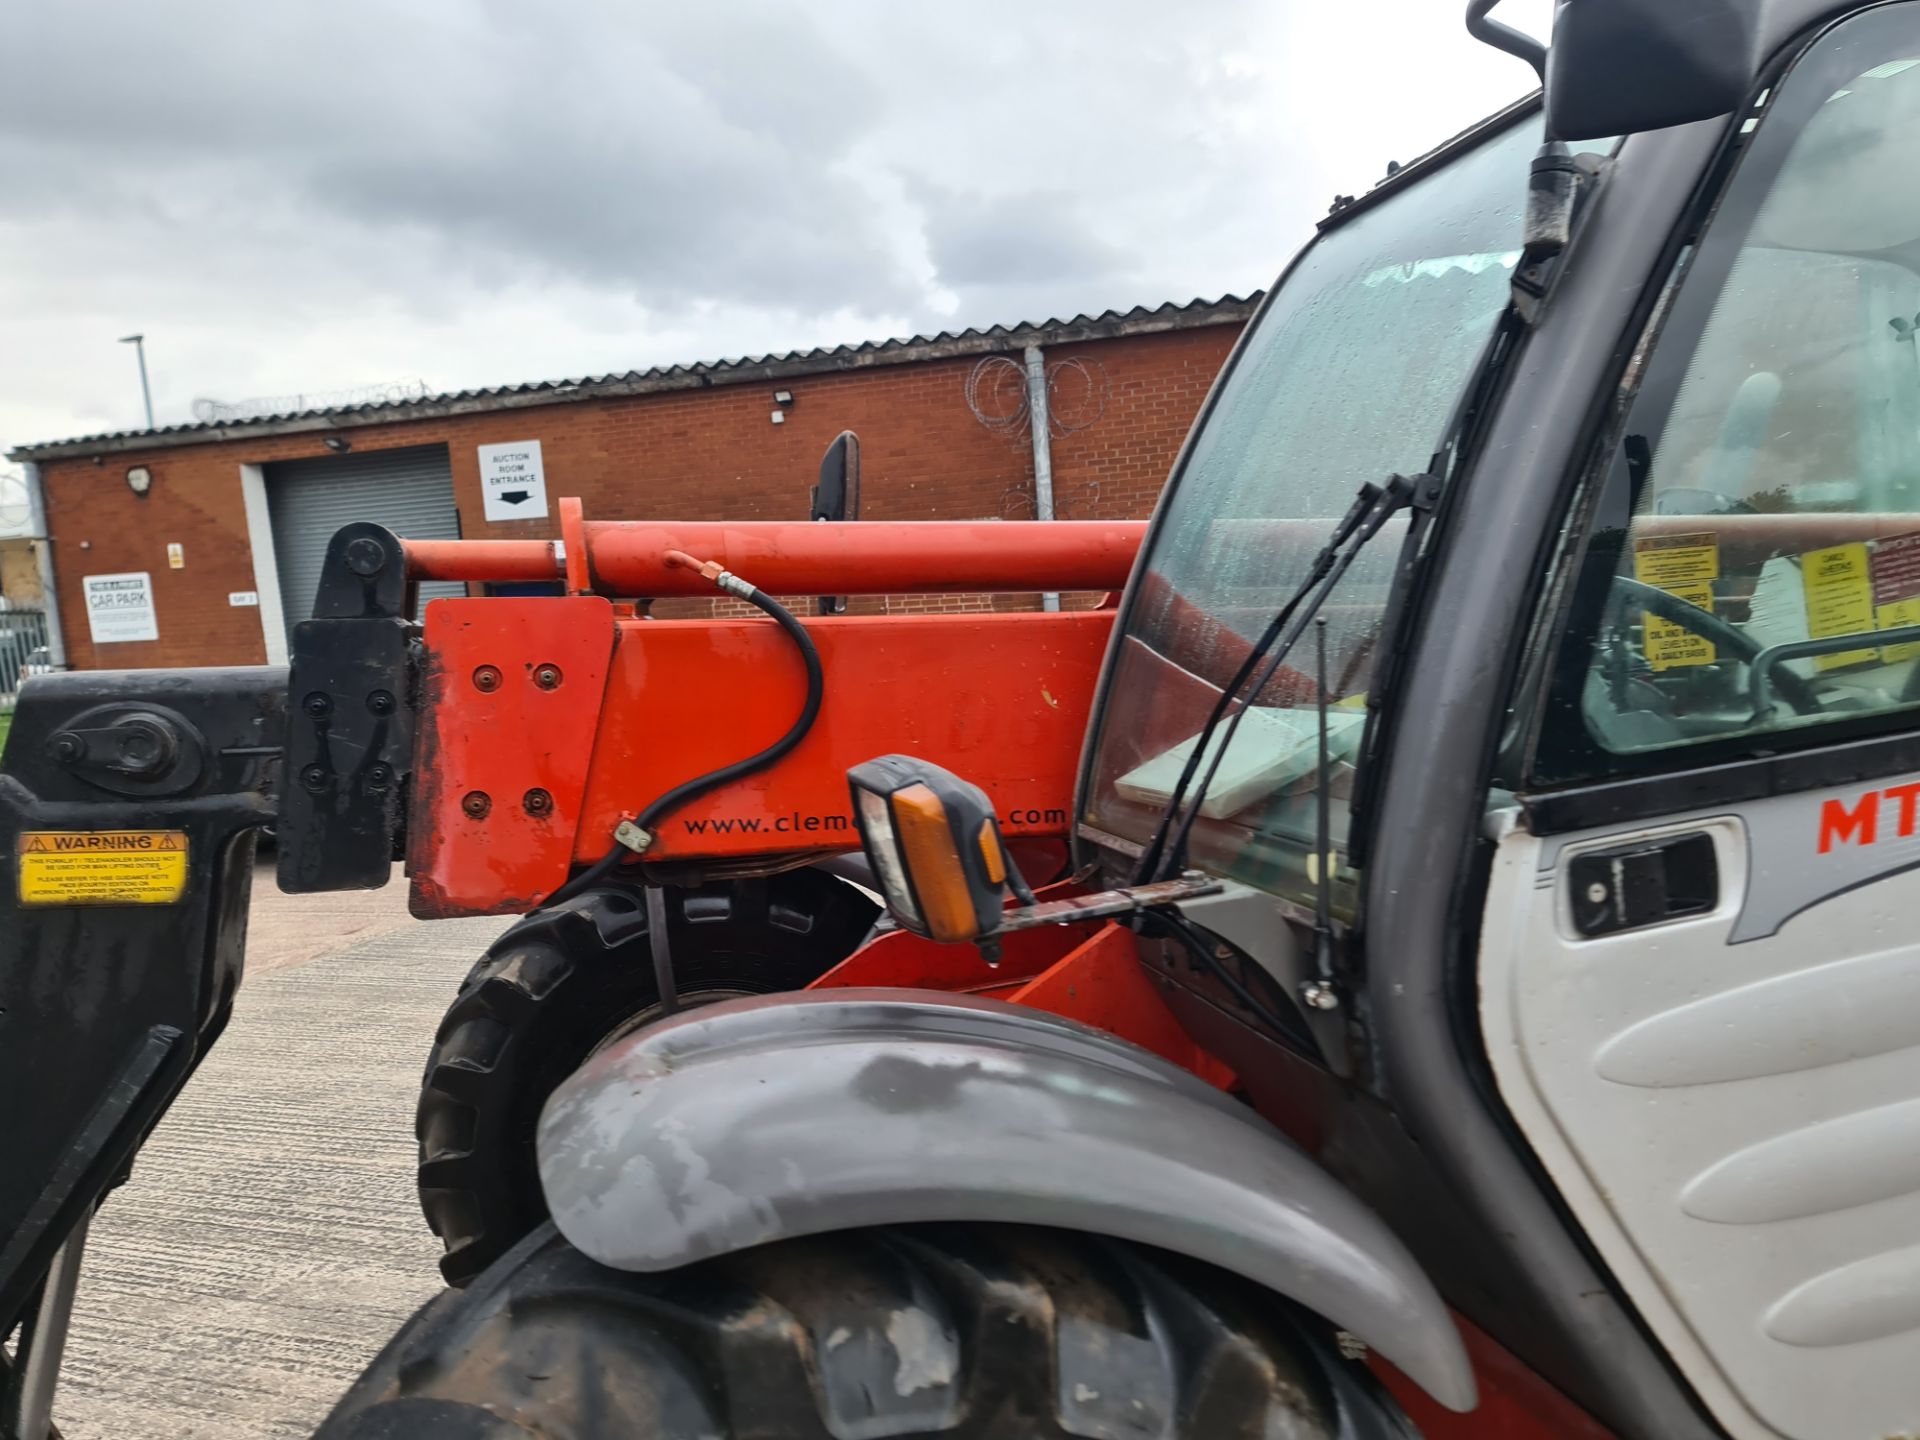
<point x="1790" y="871"/>
<point x="759" y="1119"/>
<point x="1503" y="524"/>
<point x="1261" y="926"/>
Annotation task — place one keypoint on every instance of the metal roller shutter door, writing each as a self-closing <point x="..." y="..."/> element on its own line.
<point x="408" y="491"/>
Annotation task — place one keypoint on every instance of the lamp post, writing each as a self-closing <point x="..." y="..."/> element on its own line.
<point x="139" y="343"/>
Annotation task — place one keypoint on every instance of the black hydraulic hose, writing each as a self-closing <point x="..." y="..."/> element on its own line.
<point x="649" y="818"/>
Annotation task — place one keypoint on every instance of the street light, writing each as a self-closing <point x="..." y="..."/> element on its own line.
<point x="139" y="343"/>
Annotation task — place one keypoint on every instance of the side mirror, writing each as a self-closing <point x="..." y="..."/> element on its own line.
<point x="934" y="845"/>
<point x="837" y="497"/>
<point x="1617" y="67"/>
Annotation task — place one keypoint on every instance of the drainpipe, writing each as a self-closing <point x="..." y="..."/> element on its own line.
<point x="1042" y="448"/>
<point x="43" y="558"/>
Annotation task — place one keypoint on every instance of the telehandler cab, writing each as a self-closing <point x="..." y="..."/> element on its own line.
<point x="1479" y="1002"/>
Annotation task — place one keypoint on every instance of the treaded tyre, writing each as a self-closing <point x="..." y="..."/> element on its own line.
<point x="966" y="1332"/>
<point x="562" y="982"/>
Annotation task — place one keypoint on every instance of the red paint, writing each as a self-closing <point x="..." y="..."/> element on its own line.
<point x="1841" y="826"/>
<point x="902" y="960"/>
<point x="1103" y="984"/>
<point x="999" y="699"/>
<point x="1515" y="1403"/>
<point x="798" y="558"/>
<point x="503" y="743"/>
<point x="1906" y="795"/>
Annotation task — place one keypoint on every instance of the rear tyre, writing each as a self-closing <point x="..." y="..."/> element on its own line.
<point x="966" y="1332"/>
<point x="563" y="982"/>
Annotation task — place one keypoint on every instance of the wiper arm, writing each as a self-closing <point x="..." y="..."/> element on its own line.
<point x="1166" y="852"/>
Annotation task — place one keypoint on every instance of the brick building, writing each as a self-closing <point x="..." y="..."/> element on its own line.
<point x="225" y="521"/>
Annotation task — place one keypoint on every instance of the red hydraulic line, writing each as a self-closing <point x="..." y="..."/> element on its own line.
<point x="807" y="558"/>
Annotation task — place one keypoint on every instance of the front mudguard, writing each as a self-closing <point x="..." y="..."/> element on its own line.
<point x="785" y="1115"/>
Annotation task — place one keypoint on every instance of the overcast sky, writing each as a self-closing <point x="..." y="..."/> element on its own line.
<point x="306" y="197"/>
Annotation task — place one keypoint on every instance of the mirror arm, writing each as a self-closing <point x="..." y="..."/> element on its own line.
<point x="1504" y="37"/>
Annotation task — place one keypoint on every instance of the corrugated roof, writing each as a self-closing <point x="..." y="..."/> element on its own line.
<point x="1108" y="324"/>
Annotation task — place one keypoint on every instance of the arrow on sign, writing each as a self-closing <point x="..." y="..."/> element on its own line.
<point x="513" y="497"/>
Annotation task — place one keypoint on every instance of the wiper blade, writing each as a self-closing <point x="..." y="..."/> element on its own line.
<point x="1373" y="506"/>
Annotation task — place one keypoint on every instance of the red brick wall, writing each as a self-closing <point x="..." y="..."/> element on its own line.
<point x="709" y="454"/>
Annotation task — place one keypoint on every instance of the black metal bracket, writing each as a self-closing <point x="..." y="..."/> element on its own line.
<point x="351" y="727"/>
<point x="110" y="994"/>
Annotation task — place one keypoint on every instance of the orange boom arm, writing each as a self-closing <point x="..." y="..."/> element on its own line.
<point x="546" y="722"/>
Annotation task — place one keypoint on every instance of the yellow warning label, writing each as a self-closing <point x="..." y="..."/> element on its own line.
<point x="1891" y="617"/>
<point x="1684" y="566"/>
<point x="1668" y="645"/>
<point x="102" y="867"/>
<point x="1839" y="598"/>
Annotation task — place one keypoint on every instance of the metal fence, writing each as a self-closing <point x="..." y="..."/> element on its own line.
<point x="23" y="647"/>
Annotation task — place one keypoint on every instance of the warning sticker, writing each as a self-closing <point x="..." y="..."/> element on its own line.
<point x="1839" y="598"/>
<point x="1684" y="566"/>
<point x="1896" y="591"/>
<point x="102" y="867"/>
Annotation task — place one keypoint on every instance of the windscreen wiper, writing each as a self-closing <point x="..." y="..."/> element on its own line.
<point x="1373" y="506"/>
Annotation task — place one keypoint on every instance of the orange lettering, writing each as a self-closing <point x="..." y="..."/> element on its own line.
<point x="1906" y="795"/>
<point x="1837" y="823"/>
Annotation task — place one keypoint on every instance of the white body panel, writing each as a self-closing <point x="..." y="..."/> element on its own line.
<point x="1730" y="1105"/>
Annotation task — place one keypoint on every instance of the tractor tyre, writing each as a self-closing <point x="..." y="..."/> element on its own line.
<point x="968" y="1332"/>
<point x="560" y="984"/>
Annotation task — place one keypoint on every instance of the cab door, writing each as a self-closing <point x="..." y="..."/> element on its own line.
<point x="1699" y="980"/>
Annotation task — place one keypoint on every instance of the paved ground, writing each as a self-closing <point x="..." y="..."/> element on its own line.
<point x="269" y="1243"/>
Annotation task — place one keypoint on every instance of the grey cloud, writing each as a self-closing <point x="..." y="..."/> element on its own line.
<point x="301" y="195"/>
<point x="638" y="157"/>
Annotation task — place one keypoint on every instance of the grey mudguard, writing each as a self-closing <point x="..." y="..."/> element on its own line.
<point x="784" y="1115"/>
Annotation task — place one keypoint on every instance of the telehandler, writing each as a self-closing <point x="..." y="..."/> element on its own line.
<point x="1479" y="1002"/>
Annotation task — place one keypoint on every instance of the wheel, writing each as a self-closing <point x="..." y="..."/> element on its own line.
<point x="561" y="983"/>
<point x="987" y="1332"/>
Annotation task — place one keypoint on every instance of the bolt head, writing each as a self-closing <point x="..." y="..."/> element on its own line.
<point x="476" y="803"/>
<point x="380" y="702"/>
<point x="1596" y="892"/>
<point x="486" y="679"/>
<point x="1319" y="995"/>
<point x="537" y="802"/>
<point x="547" y="677"/>
<point x="317" y="705"/>
<point x="313" y="778"/>
<point x="366" y="557"/>
<point x="68" y="749"/>
<point x="379" y="776"/>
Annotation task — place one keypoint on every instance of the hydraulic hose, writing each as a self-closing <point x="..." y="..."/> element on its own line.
<point x="648" y="820"/>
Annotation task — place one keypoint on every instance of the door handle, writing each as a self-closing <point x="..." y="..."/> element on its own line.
<point x="1646" y="883"/>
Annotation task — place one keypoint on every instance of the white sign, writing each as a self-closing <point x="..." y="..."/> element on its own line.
<point x="120" y="607"/>
<point x="238" y="598"/>
<point x="512" y="481"/>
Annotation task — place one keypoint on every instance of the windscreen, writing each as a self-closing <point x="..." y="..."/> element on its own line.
<point x="1349" y="375"/>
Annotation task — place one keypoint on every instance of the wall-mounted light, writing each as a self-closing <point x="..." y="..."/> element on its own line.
<point x="781" y="399"/>
<point x="140" y="480"/>
<point x="337" y="445"/>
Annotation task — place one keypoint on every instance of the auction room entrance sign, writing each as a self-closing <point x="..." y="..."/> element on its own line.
<point x="512" y="481"/>
<point x="120" y="607"/>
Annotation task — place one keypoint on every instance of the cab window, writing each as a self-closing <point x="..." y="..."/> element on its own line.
<point x="1754" y="566"/>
